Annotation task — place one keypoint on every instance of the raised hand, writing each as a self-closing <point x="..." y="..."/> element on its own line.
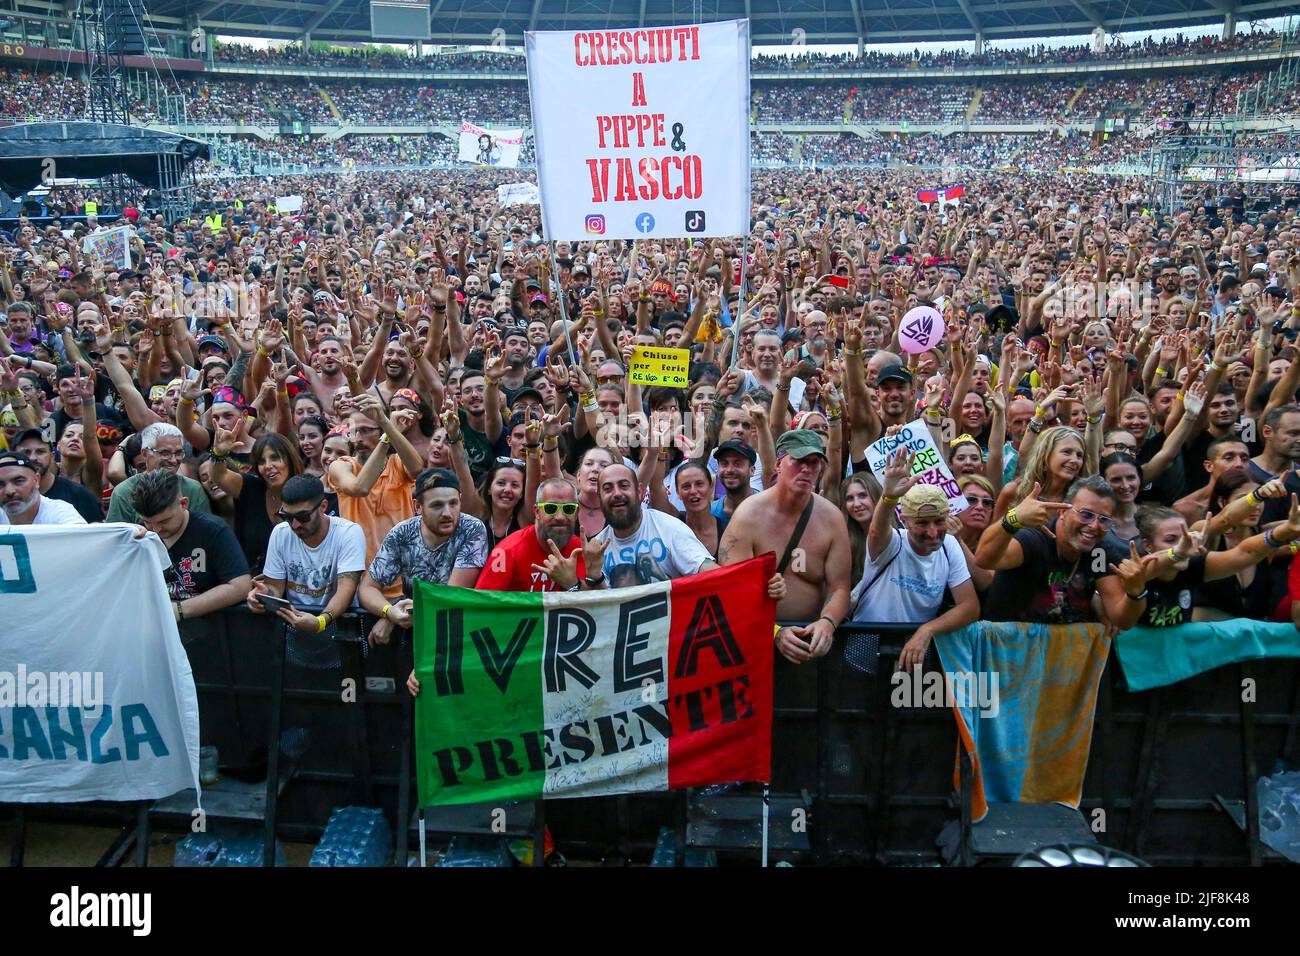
<point x="563" y="571"/>
<point x="1033" y="512"/>
<point x="1135" y="571"/>
<point x="898" y="479"/>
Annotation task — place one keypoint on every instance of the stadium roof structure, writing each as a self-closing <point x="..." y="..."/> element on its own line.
<point x="774" y="22"/>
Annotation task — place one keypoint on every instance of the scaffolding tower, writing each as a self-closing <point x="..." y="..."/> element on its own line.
<point x="1240" y="156"/>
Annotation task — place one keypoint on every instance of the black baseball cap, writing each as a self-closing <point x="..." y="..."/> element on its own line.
<point x="740" y="448"/>
<point x="432" y="478"/>
<point x="16" y="459"/>
<point x="894" y="372"/>
<point x="27" y="433"/>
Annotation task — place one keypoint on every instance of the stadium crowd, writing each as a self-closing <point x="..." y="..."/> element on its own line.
<point x="1115" y="49"/>
<point x="29" y="95"/>
<point x="380" y="387"/>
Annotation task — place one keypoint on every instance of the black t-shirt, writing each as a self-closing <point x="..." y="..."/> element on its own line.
<point x="1169" y="487"/>
<point x="103" y="414"/>
<point x="252" y="524"/>
<point x="205" y="555"/>
<point x="79" y="497"/>
<point x="1276" y="509"/>
<point x="1170" y="603"/>
<point x="1047" y="589"/>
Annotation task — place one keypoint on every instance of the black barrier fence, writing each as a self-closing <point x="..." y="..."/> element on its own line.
<point x="1171" y="777"/>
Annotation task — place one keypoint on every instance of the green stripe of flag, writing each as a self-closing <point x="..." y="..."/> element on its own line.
<point x="461" y="700"/>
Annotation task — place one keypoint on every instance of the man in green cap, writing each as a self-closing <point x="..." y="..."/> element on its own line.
<point x="811" y="541"/>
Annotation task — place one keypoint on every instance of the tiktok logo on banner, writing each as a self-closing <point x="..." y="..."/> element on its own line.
<point x="695" y="220"/>
<point x="645" y="222"/>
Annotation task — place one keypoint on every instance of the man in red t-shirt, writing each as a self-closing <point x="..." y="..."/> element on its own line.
<point x="547" y="556"/>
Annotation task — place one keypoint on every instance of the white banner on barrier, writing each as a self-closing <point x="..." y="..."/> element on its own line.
<point x="642" y="133"/>
<point x="97" y="699"/>
<point x="489" y="147"/>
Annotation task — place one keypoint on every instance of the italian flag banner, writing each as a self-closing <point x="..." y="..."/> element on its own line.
<point x="579" y="694"/>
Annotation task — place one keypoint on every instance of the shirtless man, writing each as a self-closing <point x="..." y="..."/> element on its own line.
<point x="817" y="577"/>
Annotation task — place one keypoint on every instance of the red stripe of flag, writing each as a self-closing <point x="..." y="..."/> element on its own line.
<point x="720" y="655"/>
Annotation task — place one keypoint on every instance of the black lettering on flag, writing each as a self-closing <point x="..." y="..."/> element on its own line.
<point x="452" y="762"/>
<point x="629" y="673"/>
<point x="708" y="629"/>
<point x="569" y="632"/>
<point x="656" y="715"/>
<point x="500" y="664"/>
<point x="448" y="643"/>
<point x="570" y="739"/>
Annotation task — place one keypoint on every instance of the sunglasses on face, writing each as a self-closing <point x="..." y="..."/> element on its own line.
<point x="295" y="517"/>
<point x="504" y="460"/>
<point x="549" y="508"/>
<point x="1090" y="517"/>
<point x="980" y="500"/>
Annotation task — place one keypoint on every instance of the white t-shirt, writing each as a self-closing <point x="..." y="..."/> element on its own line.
<point x="51" y="511"/>
<point x="910" y="590"/>
<point x="310" y="575"/>
<point x="661" y="548"/>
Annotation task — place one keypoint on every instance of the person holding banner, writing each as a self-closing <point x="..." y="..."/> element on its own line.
<point x="440" y="545"/>
<point x="811" y="539"/>
<point x="908" y="570"/>
<point x="546" y="555"/>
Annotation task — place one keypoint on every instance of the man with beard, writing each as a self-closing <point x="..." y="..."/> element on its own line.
<point x="642" y="546"/>
<point x="53" y="485"/>
<point x="514" y="352"/>
<point x="811" y="540"/>
<point x="473" y="422"/>
<point x="440" y="545"/>
<point x="547" y="556"/>
<point x="1281" y="434"/>
<point x="375" y="488"/>
<point x="815" y="352"/>
<point x="735" y="462"/>
<point x="907" y="571"/>
<point x="1046" y="555"/>
<point x="21" y="501"/>
<point x="327" y="376"/>
<point x="393" y="359"/>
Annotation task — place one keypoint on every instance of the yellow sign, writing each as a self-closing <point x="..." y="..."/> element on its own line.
<point x="656" y="366"/>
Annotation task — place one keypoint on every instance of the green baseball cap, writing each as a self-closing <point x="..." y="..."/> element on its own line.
<point x="800" y="443"/>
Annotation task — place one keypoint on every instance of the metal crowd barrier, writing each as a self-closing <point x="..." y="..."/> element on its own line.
<point x="1172" y="771"/>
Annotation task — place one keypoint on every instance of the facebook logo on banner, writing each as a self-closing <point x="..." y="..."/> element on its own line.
<point x="645" y="222"/>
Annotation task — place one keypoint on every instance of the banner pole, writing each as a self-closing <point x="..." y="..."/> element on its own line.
<point x="559" y="296"/>
<point x="423" y="861"/>
<point x="767" y="795"/>
<point x="740" y="308"/>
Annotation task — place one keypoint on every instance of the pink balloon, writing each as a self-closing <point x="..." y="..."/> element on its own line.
<point x="922" y="329"/>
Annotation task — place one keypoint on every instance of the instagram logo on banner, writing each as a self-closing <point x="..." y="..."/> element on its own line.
<point x="596" y="225"/>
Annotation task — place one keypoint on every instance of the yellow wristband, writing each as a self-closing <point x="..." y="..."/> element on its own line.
<point x="384" y="612"/>
<point x="321" y="623"/>
<point x="1161" y="371"/>
<point x="1252" y="499"/>
<point x="888" y="501"/>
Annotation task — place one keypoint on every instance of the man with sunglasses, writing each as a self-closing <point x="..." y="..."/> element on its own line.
<point x="312" y="560"/>
<point x="547" y="555"/>
<point x="1053" y="562"/>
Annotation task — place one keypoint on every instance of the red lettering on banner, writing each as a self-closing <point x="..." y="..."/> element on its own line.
<point x="599" y="179"/>
<point x="625" y="191"/>
<point x="621" y="47"/>
<point x="638" y="90"/>
<point x="647" y="169"/>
